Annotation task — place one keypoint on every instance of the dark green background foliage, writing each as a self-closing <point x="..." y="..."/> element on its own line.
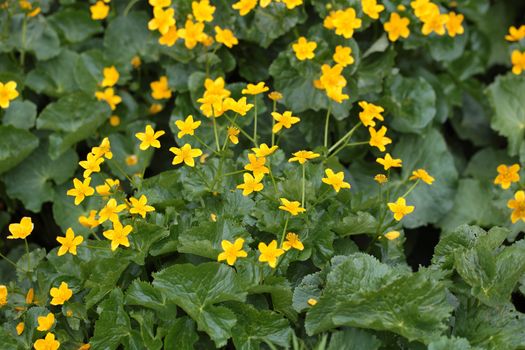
<point x="453" y="280"/>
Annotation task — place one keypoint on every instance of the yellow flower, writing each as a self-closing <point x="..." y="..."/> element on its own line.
<point x="257" y="165"/>
<point x="160" y="89"/>
<point x="507" y="175"/>
<point x="92" y="164"/>
<point x="400" y="209"/>
<point x="312" y="302"/>
<point x="69" y="242"/>
<point x="333" y="82"/>
<point x="136" y="61"/>
<point x="292" y="241"/>
<point x="369" y="112"/>
<point x="7" y="93"/>
<point x="118" y="235"/>
<point x="89" y="221"/>
<point x="518" y="204"/>
<point x="423" y="175"/>
<point x="160" y="3"/>
<point x="378" y="138"/>
<point x="185" y="154"/>
<point x="265" y="3"/>
<point x="225" y="36"/>
<point x="389" y="162"/>
<point x="336" y="180"/>
<point x="251" y="184"/>
<point x="111" y="76"/>
<point x="170" y="38"/>
<point x="149" y="138"/>
<point x="344" y="22"/>
<point x="20" y="328"/>
<point x="187" y="127"/>
<point x="454" y="24"/>
<point x="81" y="190"/>
<point x="518" y="62"/>
<point x="109" y="96"/>
<point x="255" y="89"/>
<point x="192" y="33"/>
<point x="45" y="323"/>
<point x="293" y="207"/>
<point x="99" y="11"/>
<point x="86" y="346"/>
<point x="25" y="5"/>
<point x="263" y="150"/>
<point x="202" y="10"/>
<point x="434" y="22"/>
<point x="371" y="8"/>
<point x="110" y="211"/>
<point x="103" y="150"/>
<point x="108" y="187"/>
<point x="139" y="206"/>
<point x="132" y="160"/>
<point x="343" y="55"/>
<point x="391" y="235"/>
<point x="275" y="96"/>
<point x="304" y="49"/>
<point x="515" y="34"/>
<point x="233" y="133"/>
<point x="303" y="156"/>
<point x="49" y="342"/>
<point x="155" y="108"/>
<point x="244" y="6"/>
<point x="162" y="20"/>
<point x="270" y="253"/>
<point x="61" y="294"/>
<point x="21" y="230"/>
<point x="397" y="27"/>
<point x="381" y="179"/>
<point x="232" y="251"/>
<point x="423" y="8"/>
<point x="114" y="120"/>
<point x="3" y="295"/>
<point x="285" y="120"/>
<point x="29" y="296"/>
<point x="240" y="107"/>
<point x="291" y="4"/>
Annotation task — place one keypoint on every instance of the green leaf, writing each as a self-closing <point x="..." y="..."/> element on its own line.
<point x="40" y="37"/>
<point x="20" y="114"/>
<point x="355" y="224"/>
<point x="196" y="289"/>
<point x="102" y="280"/>
<point x="182" y="335"/>
<point x="75" y="25"/>
<point x="33" y="180"/>
<point x="113" y="324"/>
<point x="89" y="69"/>
<point x="462" y="237"/>
<point x="445" y="343"/>
<point x="362" y="292"/>
<point x="353" y="339"/>
<point x="506" y="96"/>
<point x="73" y="118"/>
<point x="15" y="145"/>
<point x="281" y="292"/>
<point x="144" y="235"/>
<point x="163" y="190"/>
<point x="147" y="337"/>
<point x="9" y="341"/>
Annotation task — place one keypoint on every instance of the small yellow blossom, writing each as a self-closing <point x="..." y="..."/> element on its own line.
<point x="255" y="89"/>
<point x="518" y="62"/>
<point x="202" y="10"/>
<point x="139" y="206"/>
<point x="226" y="37"/>
<point x="344" y="22"/>
<point x="434" y="23"/>
<point x="381" y="179"/>
<point x="108" y="187"/>
<point x="389" y="162"/>
<point x="369" y="112"/>
<point x="251" y="184"/>
<point x="292" y="241"/>
<point x="109" y="96"/>
<point x="162" y="20"/>
<point x="312" y="302"/>
<point x="160" y="89"/>
<point x="240" y="107"/>
<point x="233" y="134"/>
<point x="400" y="209"/>
<point x="397" y="27"/>
<point x="69" y="242"/>
<point x="136" y="62"/>
<point x="3" y="295"/>
<point x="160" y="3"/>
<point x="391" y="235"/>
<point x="132" y="160"/>
<point x="49" y="342"/>
<point x="304" y="49"/>
<point x="118" y="235"/>
<point x="454" y="24"/>
<point x="343" y="55"/>
<point x="81" y="190"/>
<point x="507" y="175"/>
<point x="30" y="296"/>
<point x="336" y="180"/>
<point x="291" y="4"/>
<point x="293" y="207"/>
<point x="89" y="221"/>
<point x="110" y="211"/>
<point x="371" y="8"/>
<point x="155" y="108"/>
<point x="170" y="38"/>
<point x="257" y="165"/>
<point x="515" y="34"/>
<point x="7" y="93"/>
<point x="285" y="120"/>
<point x="111" y="76"/>
<point x="114" y="120"/>
<point x="185" y="154"/>
<point x="86" y="346"/>
<point x="518" y="206"/>
<point x="333" y="82"/>
<point x="99" y="11"/>
<point x="423" y="175"/>
<point x="275" y="96"/>
<point x="91" y="164"/>
<point x="149" y="138"/>
<point x="244" y="6"/>
<point x="378" y="138"/>
<point x="45" y="323"/>
<point x="263" y="150"/>
<point x="270" y="253"/>
<point x="192" y="33"/>
<point x="21" y="230"/>
<point x="61" y="294"/>
<point x="232" y="251"/>
<point x="103" y="150"/>
<point x="187" y="126"/>
<point x="303" y="156"/>
<point x="20" y="328"/>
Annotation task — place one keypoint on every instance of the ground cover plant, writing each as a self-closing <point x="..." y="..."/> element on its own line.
<point x="304" y="174"/>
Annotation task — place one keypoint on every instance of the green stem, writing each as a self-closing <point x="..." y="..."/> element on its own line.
<point x="216" y="132"/>
<point x="119" y="168"/>
<point x="304" y="184"/>
<point x="273" y="180"/>
<point x="24" y="34"/>
<point x="235" y="172"/>
<point x="7" y="259"/>
<point x="342" y="139"/>
<point x="349" y="145"/>
<point x="205" y="145"/>
<point x="130" y="5"/>
<point x="326" y="125"/>
<point x="28" y="256"/>
<point x="273" y="122"/>
<point x="240" y="129"/>
<point x="284" y="231"/>
<point x="411" y="189"/>
<point x="255" y="121"/>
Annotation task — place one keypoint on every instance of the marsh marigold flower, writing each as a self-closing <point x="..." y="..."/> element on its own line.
<point x="378" y="138"/>
<point x="434" y="22"/>
<point x="388" y="162"/>
<point x="371" y="8"/>
<point x="293" y="207"/>
<point x="257" y="165"/>
<point x="81" y="190"/>
<point x="344" y="22"/>
<point x="103" y="150"/>
<point x="226" y="37"/>
<point x="343" y="55"/>
<point x="108" y="187"/>
<point x="303" y="156"/>
<point x="422" y="175"/>
<point x="400" y="209"/>
<point x="61" y="294"/>
<point x="192" y="33"/>
<point x="160" y="3"/>
<point x="275" y="96"/>
<point x="270" y="253"/>
<point x="187" y="126"/>
<point x="515" y="34"/>
<point x="185" y="154"/>
<point x="285" y="120"/>
<point x="240" y="106"/>
<point x="45" y="323"/>
<point x="21" y="230"/>
<point x="336" y="180"/>
<point x="89" y="221"/>
<point x="518" y="62"/>
<point x="292" y="241"/>
<point x="255" y="89"/>
<point x="49" y="342"/>
<point x="69" y="242"/>
<point x="518" y="206"/>
<point x="232" y="251"/>
<point x="7" y="93"/>
<point x="99" y="11"/>
<point x="244" y="6"/>
<point x="136" y="62"/>
<point x="91" y="164"/>
<point x="149" y="138"/>
<point x="454" y="24"/>
<point x="369" y="113"/>
<point x="155" y="108"/>
<point x="139" y="206"/>
<point x="202" y="10"/>
<point x="3" y="295"/>
<point x="333" y="82"/>
<point x="118" y="235"/>
<point x="110" y="211"/>
<point x="233" y="134"/>
<point x="312" y="302"/>
<point x="111" y="76"/>
<point x="397" y="27"/>
<point x="507" y="175"/>
<point x="251" y="184"/>
<point x="108" y="95"/>
<point x="162" y="20"/>
<point x="170" y="38"/>
<point x="263" y="150"/>
<point x="381" y="179"/>
<point x="20" y="327"/>
<point x="304" y="49"/>
<point x="391" y="235"/>
<point x="160" y="89"/>
<point x="291" y="4"/>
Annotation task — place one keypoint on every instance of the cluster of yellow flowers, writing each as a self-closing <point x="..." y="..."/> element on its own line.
<point x="111" y="77"/>
<point x="246" y="6"/>
<point x="516" y="35"/>
<point x="507" y="175"/>
<point x="27" y="6"/>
